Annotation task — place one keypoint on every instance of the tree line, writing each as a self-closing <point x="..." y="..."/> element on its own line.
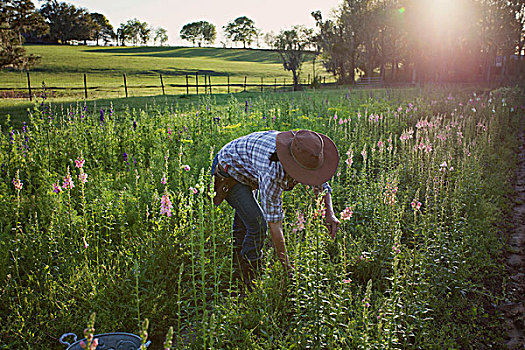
<point x="422" y="41"/>
<point x="398" y="40"/>
<point x="62" y="23"/>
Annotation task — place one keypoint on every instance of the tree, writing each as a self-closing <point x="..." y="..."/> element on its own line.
<point x="269" y="39"/>
<point x="340" y="39"/>
<point x="241" y="29"/>
<point x="23" y="17"/>
<point x="67" y="22"/>
<point x="190" y="32"/>
<point x="291" y="45"/>
<point x="103" y="29"/>
<point x="161" y="35"/>
<point x="199" y="32"/>
<point x="144" y="32"/>
<point x="500" y="30"/>
<point x="17" y="18"/>
<point x="135" y="31"/>
<point x="122" y="34"/>
<point x="209" y="33"/>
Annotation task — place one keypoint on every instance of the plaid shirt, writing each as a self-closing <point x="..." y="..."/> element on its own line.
<point x="247" y="160"/>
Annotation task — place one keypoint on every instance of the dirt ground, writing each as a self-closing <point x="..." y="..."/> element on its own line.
<point x="514" y="306"/>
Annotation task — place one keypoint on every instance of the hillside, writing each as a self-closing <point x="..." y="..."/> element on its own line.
<point x="64" y="66"/>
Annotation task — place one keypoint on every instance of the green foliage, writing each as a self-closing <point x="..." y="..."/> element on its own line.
<point x="18" y="17"/>
<point x="135" y="31"/>
<point x="67" y="22"/>
<point x="398" y="275"/>
<point x="419" y="41"/>
<point x="242" y="29"/>
<point x="199" y="32"/>
<point x="161" y="35"/>
<point x="103" y="29"/>
<point x="291" y="45"/>
<point x="64" y="66"/>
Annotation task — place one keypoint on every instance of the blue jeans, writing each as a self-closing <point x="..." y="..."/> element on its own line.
<point x="249" y="225"/>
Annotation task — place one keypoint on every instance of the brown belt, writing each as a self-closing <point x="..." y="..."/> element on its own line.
<point x="222" y="183"/>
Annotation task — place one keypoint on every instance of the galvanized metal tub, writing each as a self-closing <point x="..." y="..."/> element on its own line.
<point x="107" y="341"/>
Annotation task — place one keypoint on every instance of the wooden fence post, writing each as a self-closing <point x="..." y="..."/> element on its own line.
<point x="209" y="83"/>
<point x="85" y="85"/>
<point x="262" y="82"/>
<point x="245" y="83"/>
<point x="205" y="84"/>
<point x="228" y="83"/>
<point x="125" y="85"/>
<point x="197" y="82"/>
<point x="275" y="85"/>
<point x="187" y="86"/>
<point x="308" y="82"/>
<point x="162" y="84"/>
<point x="284" y="84"/>
<point x="29" y="87"/>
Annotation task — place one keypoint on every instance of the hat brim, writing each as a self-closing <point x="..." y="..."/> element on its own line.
<point x="305" y="176"/>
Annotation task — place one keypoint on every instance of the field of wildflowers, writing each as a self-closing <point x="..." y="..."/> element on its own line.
<point x="109" y="212"/>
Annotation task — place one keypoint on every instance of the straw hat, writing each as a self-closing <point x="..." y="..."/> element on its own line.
<point x="307" y="156"/>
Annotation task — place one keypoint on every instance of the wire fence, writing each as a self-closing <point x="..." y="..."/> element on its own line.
<point x="116" y="85"/>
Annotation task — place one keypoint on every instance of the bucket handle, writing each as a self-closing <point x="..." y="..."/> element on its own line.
<point x="67" y="335"/>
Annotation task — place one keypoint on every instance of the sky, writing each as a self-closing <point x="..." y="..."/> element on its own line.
<point x="268" y="15"/>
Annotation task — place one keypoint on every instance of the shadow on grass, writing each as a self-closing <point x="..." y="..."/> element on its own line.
<point x="169" y="71"/>
<point x="238" y="55"/>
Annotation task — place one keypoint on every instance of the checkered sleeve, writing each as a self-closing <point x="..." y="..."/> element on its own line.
<point x="271" y="202"/>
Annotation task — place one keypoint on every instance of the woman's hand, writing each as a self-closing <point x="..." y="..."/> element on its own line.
<point x="332" y="223"/>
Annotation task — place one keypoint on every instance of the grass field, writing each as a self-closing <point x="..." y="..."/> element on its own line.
<point x="64" y="67"/>
<point x="425" y="174"/>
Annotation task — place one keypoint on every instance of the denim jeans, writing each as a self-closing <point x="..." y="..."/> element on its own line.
<point x="249" y="225"/>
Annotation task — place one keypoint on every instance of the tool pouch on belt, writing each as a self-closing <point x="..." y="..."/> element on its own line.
<point x="222" y="185"/>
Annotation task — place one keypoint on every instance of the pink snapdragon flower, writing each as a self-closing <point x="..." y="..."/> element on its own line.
<point x="57" y="188"/>
<point x="79" y="163"/>
<point x="186" y="167"/>
<point x="165" y="205"/>
<point x="416" y="205"/>
<point x="365" y="302"/>
<point x="320" y="212"/>
<point x="350" y="159"/>
<point x="299" y="225"/>
<point x="347" y="214"/>
<point x="93" y="346"/>
<point x="82" y="177"/>
<point x="18" y="184"/>
<point x="390" y="194"/>
<point x="68" y="182"/>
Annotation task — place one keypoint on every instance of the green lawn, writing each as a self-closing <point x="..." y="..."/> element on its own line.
<point x="62" y="69"/>
<point x="64" y="66"/>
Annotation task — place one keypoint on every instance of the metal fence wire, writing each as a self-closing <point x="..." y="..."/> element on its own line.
<point x="117" y="85"/>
